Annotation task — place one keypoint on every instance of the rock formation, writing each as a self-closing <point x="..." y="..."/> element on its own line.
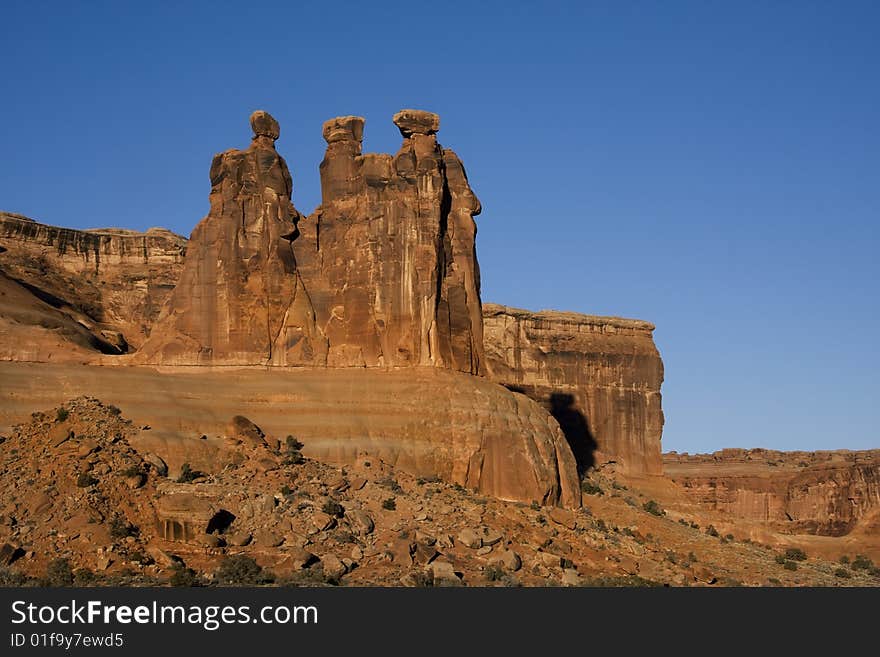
<point x="240" y="300"/>
<point x="827" y="493"/>
<point x="427" y="421"/>
<point x="104" y="280"/>
<point x="599" y="377"/>
<point x="389" y="257"/>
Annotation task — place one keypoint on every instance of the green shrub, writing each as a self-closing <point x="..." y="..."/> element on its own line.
<point x="120" y="527"/>
<point x="780" y="559"/>
<point x="844" y="559"/>
<point x="790" y="565"/>
<point x="59" y="573"/>
<point x="692" y="557"/>
<point x="188" y="475"/>
<point x="795" y="554"/>
<point x="333" y="508"/>
<point x="132" y="471"/>
<point x="389" y="504"/>
<point x="653" y="508"/>
<point x="711" y="531"/>
<point x="843" y="573"/>
<point x="861" y="562"/>
<point x="62" y="414"/>
<point x="590" y="488"/>
<point x="85" y="480"/>
<point x="241" y="570"/>
<point x="181" y="575"/>
<point x="493" y="573"/>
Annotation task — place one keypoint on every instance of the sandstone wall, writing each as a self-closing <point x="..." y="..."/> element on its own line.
<point x="427" y="421"/>
<point x="825" y="493"/>
<point x="105" y="278"/>
<point x="599" y="376"/>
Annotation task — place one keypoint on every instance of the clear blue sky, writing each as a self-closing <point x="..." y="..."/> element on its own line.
<point x="712" y="167"/>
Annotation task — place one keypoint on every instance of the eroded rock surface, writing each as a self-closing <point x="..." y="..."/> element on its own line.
<point x="389" y="257"/>
<point x="107" y="279"/>
<point x="826" y="493"/>
<point x="599" y="377"/>
<point x="240" y="300"/>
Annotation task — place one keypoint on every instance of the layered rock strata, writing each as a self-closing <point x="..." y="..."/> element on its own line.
<point x="599" y="377"/>
<point x="107" y="279"/>
<point x="826" y="493"/>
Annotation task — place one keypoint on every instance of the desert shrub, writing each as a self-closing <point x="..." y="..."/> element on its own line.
<point x="132" y="471"/>
<point x="780" y="559"/>
<point x="729" y="537"/>
<point x="601" y="526"/>
<point x="795" y="554"/>
<point x="861" y="562"/>
<point x="534" y="506"/>
<point x="343" y="536"/>
<point x="62" y="414"/>
<point x="671" y="557"/>
<point x="84" y="577"/>
<point x="389" y="504"/>
<point x="241" y="570"/>
<point x="842" y="573"/>
<point x="617" y="486"/>
<point x="433" y="479"/>
<point x="493" y="573"/>
<point x="333" y="508"/>
<point x="115" y="410"/>
<point x="59" y="573"/>
<point x="188" y="475"/>
<point x="120" y="527"/>
<point x="790" y="565"/>
<point x="774" y="581"/>
<point x="874" y="571"/>
<point x="844" y="559"/>
<point x="9" y="577"/>
<point x="181" y="575"/>
<point x="292" y="451"/>
<point x="711" y="531"/>
<point x="590" y="488"/>
<point x="390" y="483"/>
<point x="618" y="581"/>
<point x="285" y="490"/>
<point x="653" y="508"/>
<point x="692" y="557"/>
<point x="85" y="480"/>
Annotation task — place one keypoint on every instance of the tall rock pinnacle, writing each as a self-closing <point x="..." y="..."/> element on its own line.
<point x="240" y="300"/>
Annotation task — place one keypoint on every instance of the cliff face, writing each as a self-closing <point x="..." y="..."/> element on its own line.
<point x="599" y="376"/>
<point x="102" y="279"/>
<point x="827" y="493"/>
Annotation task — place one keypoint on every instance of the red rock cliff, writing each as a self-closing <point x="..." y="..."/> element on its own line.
<point x="826" y="493"/>
<point x="599" y="376"/>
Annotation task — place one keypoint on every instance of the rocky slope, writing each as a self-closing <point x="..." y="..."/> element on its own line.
<point x="428" y="421"/>
<point x="600" y="377"/>
<point x="107" y="280"/>
<point x="823" y="493"/>
<point x="82" y="505"/>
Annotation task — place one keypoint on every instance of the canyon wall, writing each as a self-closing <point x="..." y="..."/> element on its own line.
<point x="827" y="493"/>
<point x="599" y="377"/>
<point x="105" y="280"/>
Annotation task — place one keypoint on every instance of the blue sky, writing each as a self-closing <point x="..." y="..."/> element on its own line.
<point x="711" y="167"/>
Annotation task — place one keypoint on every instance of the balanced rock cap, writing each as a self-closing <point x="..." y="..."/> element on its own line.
<point x="344" y="128"/>
<point x="416" y="122"/>
<point x="264" y="125"/>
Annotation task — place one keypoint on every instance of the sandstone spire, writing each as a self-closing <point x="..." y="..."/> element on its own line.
<point x="389" y="257"/>
<point x="240" y="299"/>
